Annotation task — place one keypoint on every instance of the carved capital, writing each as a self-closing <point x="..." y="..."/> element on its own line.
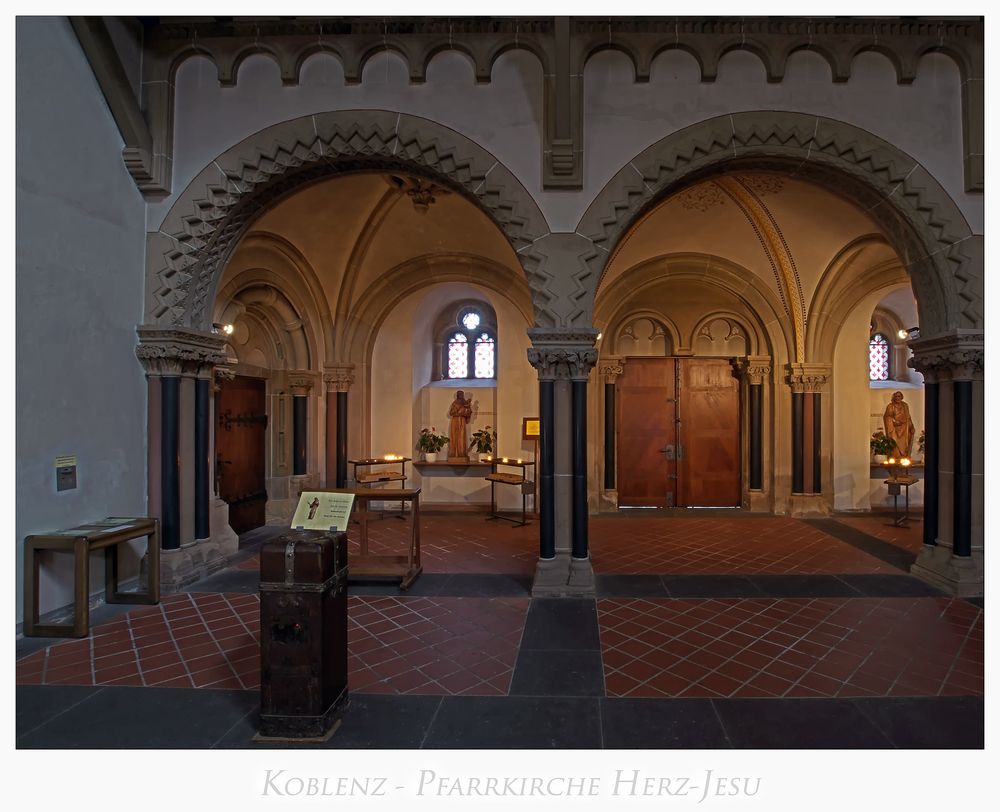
<point x="610" y="368"/>
<point x="808" y="377"/>
<point x="300" y="384"/>
<point x="755" y="368"/>
<point x="179" y="351"/>
<point x="957" y="356"/>
<point x="223" y="374"/>
<point x="562" y="354"/>
<point x="339" y="378"/>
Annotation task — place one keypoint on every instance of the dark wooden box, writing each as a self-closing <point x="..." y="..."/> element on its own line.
<point x="303" y="633"/>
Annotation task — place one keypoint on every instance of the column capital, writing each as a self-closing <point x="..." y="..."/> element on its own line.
<point x="755" y="368"/>
<point x="610" y="367"/>
<point x="301" y="382"/>
<point x="338" y="378"/>
<point x="808" y="377"/>
<point x="562" y="353"/>
<point x="956" y="356"/>
<point x="178" y="351"/>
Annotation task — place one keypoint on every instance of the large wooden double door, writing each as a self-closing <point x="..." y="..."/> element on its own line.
<point x="678" y="433"/>
<point x="239" y="451"/>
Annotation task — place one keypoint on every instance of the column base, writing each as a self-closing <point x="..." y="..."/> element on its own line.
<point x="808" y="506"/>
<point x="563" y="577"/>
<point x="607" y="501"/>
<point x="192" y="562"/>
<point x="758" y="502"/>
<point x="956" y="575"/>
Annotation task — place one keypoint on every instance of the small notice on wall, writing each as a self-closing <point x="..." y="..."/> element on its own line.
<point x="531" y="428"/>
<point x="66" y="472"/>
<point x="322" y="511"/>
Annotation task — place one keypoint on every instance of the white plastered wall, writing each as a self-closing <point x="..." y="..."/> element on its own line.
<point x="621" y="118"/>
<point x="80" y="243"/>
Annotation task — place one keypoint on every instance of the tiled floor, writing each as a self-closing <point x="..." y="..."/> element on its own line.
<point x="713" y="630"/>
<point x="909" y="538"/>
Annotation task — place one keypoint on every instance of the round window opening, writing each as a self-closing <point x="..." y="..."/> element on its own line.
<point x="470" y="320"/>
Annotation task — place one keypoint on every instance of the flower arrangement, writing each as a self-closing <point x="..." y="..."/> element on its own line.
<point x="430" y="442"/>
<point x="483" y="440"/>
<point x="881" y="444"/>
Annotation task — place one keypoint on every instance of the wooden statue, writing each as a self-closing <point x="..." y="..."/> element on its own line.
<point x="459" y="414"/>
<point x="898" y="425"/>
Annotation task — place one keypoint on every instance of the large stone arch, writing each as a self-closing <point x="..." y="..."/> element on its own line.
<point x="185" y="258"/>
<point x="925" y="226"/>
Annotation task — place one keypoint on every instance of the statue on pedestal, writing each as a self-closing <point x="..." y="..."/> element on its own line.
<point x="898" y="425"/>
<point x="459" y="414"/>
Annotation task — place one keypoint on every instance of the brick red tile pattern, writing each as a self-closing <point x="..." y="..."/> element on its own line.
<point x="909" y="538"/>
<point x="659" y="545"/>
<point x="202" y="640"/>
<point x="828" y="647"/>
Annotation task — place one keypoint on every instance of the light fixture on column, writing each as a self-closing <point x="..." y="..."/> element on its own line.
<point x="903" y="334"/>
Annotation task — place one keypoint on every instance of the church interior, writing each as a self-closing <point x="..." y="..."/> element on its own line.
<point x="695" y="307"/>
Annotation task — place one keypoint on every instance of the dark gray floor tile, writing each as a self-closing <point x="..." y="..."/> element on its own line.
<point x="370" y="721"/>
<point x="980" y="602"/>
<point x="37" y="704"/>
<point x="882" y="550"/>
<point x="654" y="724"/>
<point x="427" y="585"/>
<point x="710" y="586"/>
<point x="931" y="722"/>
<point x="803" y="586"/>
<point x="229" y="580"/>
<point x="487" y="722"/>
<point x="798" y="723"/>
<point x="558" y="673"/>
<point x="561" y="623"/>
<point x="890" y="586"/>
<point x="629" y="586"/>
<point x="468" y="585"/>
<point x="135" y="718"/>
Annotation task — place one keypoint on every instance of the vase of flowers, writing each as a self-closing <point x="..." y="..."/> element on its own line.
<point x="882" y="446"/>
<point x="430" y="443"/>
<point x="483" y="442"/>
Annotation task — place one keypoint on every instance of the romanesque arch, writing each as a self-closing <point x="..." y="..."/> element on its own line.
<point x="185" y="258"/>
<point x="924" y="224"/>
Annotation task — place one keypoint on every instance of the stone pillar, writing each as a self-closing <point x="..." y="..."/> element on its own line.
<point x="338" y="380"/>
<point x="753" y="371"/>
<point x="178" y="364"/>
<point x="300" y="387"/>
<point x="807" y="382"/>
<point x="610" y="369"/>
<point x="955" y="442"/>
<point x="563" y="356"/>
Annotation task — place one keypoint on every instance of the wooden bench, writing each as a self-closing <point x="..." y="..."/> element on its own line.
<point x="105" y="535"/>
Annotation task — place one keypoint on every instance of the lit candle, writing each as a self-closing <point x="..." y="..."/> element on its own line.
<point x="505" y="459"/>
<point x="905" y="462"/>
<point x="518" y="460"/>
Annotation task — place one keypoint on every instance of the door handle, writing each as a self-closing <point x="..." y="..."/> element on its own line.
<point x="669" y="451"/>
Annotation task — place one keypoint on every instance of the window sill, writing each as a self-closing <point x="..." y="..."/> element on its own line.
<point x="465" y="383"/>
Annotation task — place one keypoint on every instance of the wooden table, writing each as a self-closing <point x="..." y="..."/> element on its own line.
<point x="105" y="535"/>
<point x="895" y="483"/>
<point x="504" y="478"/>
<point x="367" y="564"/>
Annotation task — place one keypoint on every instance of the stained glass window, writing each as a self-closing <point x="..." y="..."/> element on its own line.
<point x="470" y="320"/>
<point x="485" y="356"/>
<point x="878" y="358"/>
<point x="458" y="356"/>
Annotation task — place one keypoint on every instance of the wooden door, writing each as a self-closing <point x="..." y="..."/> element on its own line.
<point x="239" y="451"/>
<point x="709" y="433"/>
<point x="647" y="468"/>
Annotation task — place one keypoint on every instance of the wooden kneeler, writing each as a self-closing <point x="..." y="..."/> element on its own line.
<point x="504" y="478"/>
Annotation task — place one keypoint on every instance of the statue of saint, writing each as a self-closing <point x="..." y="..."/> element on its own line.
<point x="459" y="414"/>
<point x="898" y="425"/>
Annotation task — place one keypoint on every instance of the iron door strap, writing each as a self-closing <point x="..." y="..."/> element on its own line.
<point x="290" y="563"/>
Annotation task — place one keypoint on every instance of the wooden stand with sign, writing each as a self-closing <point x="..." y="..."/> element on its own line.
<point x="894" y="484"/>
<point x="375" y="565"/>
<point x="381" y="475"/>
<point x="81" y="541"/>
<point x="531" y="429"/>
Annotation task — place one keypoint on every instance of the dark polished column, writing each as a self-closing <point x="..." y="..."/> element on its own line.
<point x="797" y="425"/>
<point x="170" y="472"/>
<point x="342" y="439"/>
<point x="299" y="411"/>
<point x="962" y="538"/>
<point x="756" y="428"/>
<point x="817" y="443"/>
<point x="579" y="432"/>
<point x="201" y="458"/>
<point x="609" y="436"/>
<point x="932" y="456"/>
<point x="546" y="478"/>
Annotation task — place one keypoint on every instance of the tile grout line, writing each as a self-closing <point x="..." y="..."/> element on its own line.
<point x="965" y="640"/>
<point x="231" y="728"/>
<point x="99" y="689"/>
<point x="430" y="724"/>
<point x="177" y="648"/>
<point x="722" y="724"/>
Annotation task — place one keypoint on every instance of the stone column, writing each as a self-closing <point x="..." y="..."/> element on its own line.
<point x="563" y="358"/>
<point x="953" y="560"/>
<point x="753" y="371"/>
<point x="807" y="382"/>
<point x="178" y="364"/>
<point x="338" y="380"/>
<point x="300" y="386"/>
<point x="610" y="369"/>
